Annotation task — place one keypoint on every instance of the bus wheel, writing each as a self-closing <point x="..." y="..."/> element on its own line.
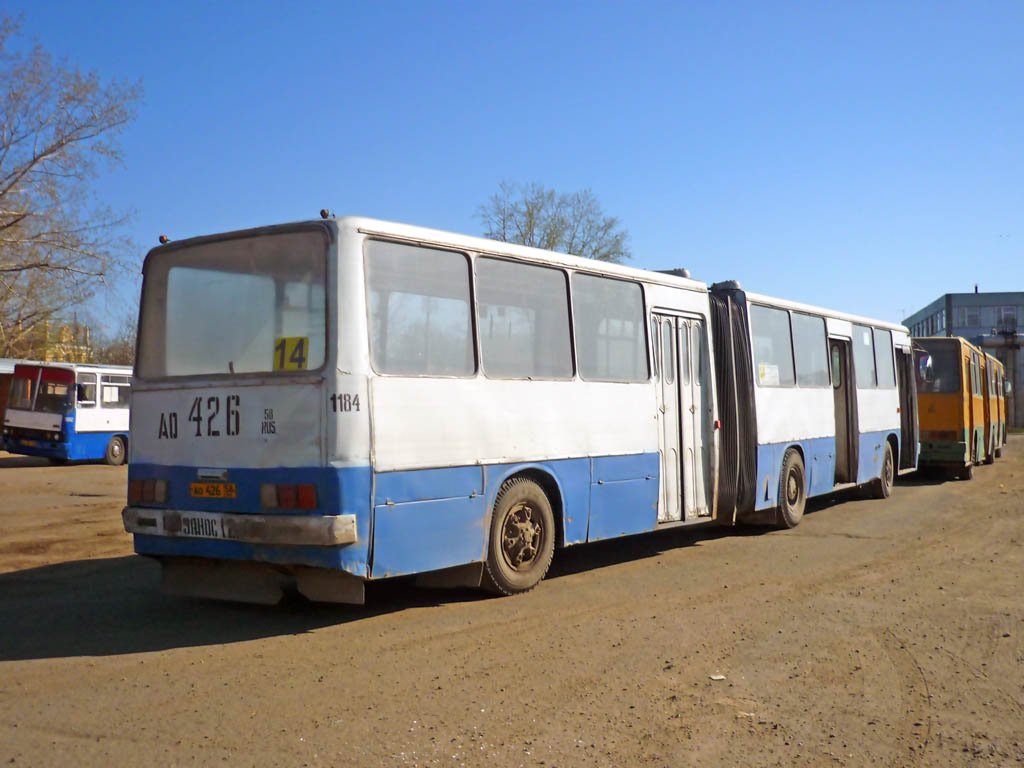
<point x="792" y="495"/>
<point x="999" y="453"/>
<point x="990" y="458"/>
<point x="522" y="538"/>
<point x="115" y="451"/>
<point x="967" y="472"/>
<point x="881" y="486"/>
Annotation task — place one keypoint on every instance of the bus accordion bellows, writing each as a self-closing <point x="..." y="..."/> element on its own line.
<point x="338" y="401"/>
<point x="69" y="412"/>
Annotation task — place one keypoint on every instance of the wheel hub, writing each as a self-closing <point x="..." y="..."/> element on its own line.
<point x="521" y="536"/>
<point x="792" y="488"/>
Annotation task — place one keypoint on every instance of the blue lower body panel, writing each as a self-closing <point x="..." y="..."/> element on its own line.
<point x="81" y="446"/>
<point x="418" y="520"/>
<point x="339" y="492"/>
<point x="819" y="464"/>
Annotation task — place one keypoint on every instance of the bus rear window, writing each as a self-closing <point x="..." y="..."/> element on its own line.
<point x="237" y="306"/>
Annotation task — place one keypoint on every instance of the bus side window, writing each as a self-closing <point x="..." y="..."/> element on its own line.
<point x="668" y="352"/>
<point x="115" y="391"/>
<point x="836" y="368"/>
<point x="697" y="346"/>
<point x="864" y="357"/>
<point x="86" y="390"/>
<point x="655" y="350"/>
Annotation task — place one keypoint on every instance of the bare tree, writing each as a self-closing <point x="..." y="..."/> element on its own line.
<point x="120" y="348"/>
<point x="57" y="246"/>
<point x="572" y="223"/>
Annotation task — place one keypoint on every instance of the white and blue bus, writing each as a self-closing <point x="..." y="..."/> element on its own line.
<point x="343" y="400"/>
<point x="68" y="412"/>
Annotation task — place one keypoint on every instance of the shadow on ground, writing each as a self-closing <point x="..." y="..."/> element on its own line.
<point x="114" y="606"/>
<point x="17" y="462"/>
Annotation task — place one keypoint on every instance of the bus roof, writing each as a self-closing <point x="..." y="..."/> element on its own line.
<point x="76" y="367"/>
<point x="437" y="237"/>
<point x="960" y="341"/>
<point x="810" y="309"/>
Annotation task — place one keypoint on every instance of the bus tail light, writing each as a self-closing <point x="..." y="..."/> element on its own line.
<point x="147" y="491"/>
<point x="286" y="496"/>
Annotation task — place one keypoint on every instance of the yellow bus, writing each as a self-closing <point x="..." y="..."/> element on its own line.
<point x="996" y="381"/>
<point x="950" y="404"/>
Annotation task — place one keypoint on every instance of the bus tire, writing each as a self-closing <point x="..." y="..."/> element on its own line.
<point x="115" y="451"/>
<point x="522" y="540"/>
<point x="792" y="490"/>
<point x="967" y="472"/>
<point x="999" y="453"/>
<point x="881" y="486"/>
<point x="990" y="458"/>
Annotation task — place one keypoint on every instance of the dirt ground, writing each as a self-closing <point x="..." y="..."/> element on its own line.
<point x="877" y="632"/>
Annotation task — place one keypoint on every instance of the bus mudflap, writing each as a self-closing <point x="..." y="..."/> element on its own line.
<point x="324" y="585"/>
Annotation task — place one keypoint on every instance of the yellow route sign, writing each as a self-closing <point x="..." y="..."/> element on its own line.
<point x="291" y="353"/>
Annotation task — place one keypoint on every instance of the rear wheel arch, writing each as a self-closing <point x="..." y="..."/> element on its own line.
<point x="522" y="534"/>
<point x="793" y="487"/>
<point x="548" y="483"/>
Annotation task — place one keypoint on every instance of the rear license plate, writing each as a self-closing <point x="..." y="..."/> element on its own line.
<point x="213" y="490"/>
<point x="31" y="443"/>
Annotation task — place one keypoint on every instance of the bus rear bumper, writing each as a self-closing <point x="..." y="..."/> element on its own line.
<point x="943" y="453"/>
<point x="281" y="530"/>
<point x="44" y="448"/>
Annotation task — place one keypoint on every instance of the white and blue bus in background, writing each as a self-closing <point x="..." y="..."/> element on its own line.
<point x="68" y="412"/>
<point x="336" y="401"/>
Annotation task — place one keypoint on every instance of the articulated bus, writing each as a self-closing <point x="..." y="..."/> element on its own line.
<point x="68" y="412"/>
<point x="951" y="404"/>
<point x="338" y="401"/>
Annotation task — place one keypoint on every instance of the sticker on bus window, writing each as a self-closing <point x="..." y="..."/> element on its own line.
<point x="768" y="375"/>
<point x="291" y="353"/>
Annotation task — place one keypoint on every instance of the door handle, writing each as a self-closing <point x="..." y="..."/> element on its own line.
<point x="693" y="409"/>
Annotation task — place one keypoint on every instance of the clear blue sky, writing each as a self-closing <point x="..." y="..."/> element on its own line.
<point x="861" y="156"/>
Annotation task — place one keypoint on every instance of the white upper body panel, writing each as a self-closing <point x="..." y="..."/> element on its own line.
<point x="786" y="414"/>
<point x="430" y="422"/>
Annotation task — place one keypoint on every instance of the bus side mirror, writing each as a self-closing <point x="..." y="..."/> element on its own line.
<point x="924" y="368"/>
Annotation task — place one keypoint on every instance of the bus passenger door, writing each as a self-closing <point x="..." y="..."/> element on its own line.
<point x="907" y="386"/>
<point x="694" y="418"/>
<point x="668" y="417"/>
<point x="844" y="396"/>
